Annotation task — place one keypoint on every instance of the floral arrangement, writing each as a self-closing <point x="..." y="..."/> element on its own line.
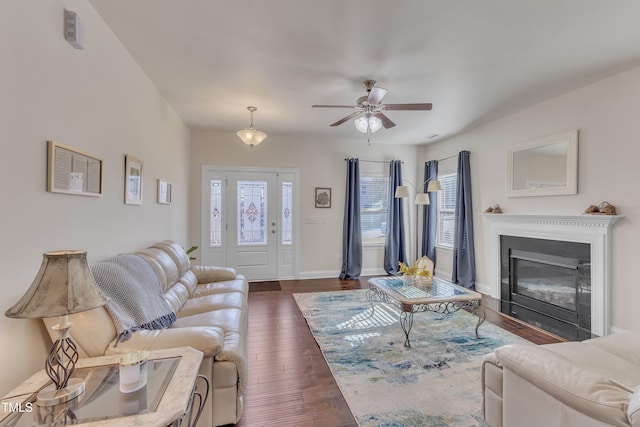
<point x="414" y="270"/>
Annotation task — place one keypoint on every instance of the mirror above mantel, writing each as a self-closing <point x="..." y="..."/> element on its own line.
<point x="544" y="167"/>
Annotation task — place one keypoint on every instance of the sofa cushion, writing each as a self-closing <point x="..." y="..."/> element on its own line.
<point x="233" y="322"/>
<point x="625" y="345"/>
<point x="235" y="285"/>
<point x="213" y="302"/>
<point x="177" y="254"/>
<point x="165" y="262"/>
<point x="208" y="340"/>
<point x="584" y="389"/>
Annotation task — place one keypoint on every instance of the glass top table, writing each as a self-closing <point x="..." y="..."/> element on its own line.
<point x="171" y="378"/>
<point x="440" y="297"/>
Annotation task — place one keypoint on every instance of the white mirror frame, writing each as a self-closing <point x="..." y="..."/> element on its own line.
<point x="571" y="187"/>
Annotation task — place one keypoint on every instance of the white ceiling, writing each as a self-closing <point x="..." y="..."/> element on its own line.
<point x="475" y="60"/>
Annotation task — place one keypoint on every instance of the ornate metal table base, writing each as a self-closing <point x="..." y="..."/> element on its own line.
<point x="407" y="310"/>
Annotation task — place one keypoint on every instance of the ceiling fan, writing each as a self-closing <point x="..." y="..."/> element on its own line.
<point x="370" y="109"/>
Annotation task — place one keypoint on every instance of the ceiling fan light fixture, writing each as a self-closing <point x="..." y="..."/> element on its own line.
<point x="375" y="124"/>
<point x="250" y="135"/>
<point x="366" y="124"/>
<point x="362" y="124"/>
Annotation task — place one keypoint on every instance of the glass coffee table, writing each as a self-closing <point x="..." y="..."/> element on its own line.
<point x="440" y="297"/>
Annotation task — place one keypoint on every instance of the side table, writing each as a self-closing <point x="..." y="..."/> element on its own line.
<point x="167" y="399"/>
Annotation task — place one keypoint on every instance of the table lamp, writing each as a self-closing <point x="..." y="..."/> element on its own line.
<point x="64" y="285"/>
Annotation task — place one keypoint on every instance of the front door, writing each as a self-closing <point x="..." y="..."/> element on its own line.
<point x="251" y="203"/>
<point x="247" y="221"/>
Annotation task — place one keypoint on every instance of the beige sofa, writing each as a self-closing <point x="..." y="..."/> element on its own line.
<point x="570" y="384"/>
<point x="210" y="304"/>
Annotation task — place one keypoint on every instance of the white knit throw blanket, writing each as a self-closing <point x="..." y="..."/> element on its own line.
<point x="135" y="294"/>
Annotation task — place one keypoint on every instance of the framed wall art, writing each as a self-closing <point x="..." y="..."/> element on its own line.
<point x="164" y="192"/>
<point x="72" y="171"/>
<point x="323" y="197"/>
<point x="132" y="180"/>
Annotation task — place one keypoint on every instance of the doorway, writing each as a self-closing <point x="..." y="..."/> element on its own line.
<point x="250" y="221"/>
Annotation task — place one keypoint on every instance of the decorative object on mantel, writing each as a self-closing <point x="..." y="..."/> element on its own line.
<point x="604" y="208"/>
<point x="493" y="209"/>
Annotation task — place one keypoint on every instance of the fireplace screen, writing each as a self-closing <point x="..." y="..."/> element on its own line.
<point x="547" y="283"/>
<point x="553" y="280"/>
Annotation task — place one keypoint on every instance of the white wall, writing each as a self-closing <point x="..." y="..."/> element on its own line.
<point x="321" y="164"/>
<point x="97" y="100"/>
<point x="606" y="115"/>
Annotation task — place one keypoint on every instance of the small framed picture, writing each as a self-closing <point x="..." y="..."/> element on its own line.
<point x="323" y="197"/>
<point x="72" y="171"/>
<point x="164" y="192"/>
<point x="132" y="180"/>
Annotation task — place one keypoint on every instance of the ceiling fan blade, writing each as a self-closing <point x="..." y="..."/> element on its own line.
<point x="422" y="107"/>
<point x="386" y="121"/>
<point x="333" y="106"/>
<point x="345" y="119"/>
<point x="376" y="95"/>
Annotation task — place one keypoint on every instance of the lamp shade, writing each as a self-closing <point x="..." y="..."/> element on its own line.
<point x="64" y="285"/>
<point x="402" y="191"/>
<point x="434" y="185"/>
<point x="422" y="199"/>
<point x="250" y="135"/>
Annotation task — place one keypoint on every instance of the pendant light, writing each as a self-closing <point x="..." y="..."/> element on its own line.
<point x="250" y="135"/>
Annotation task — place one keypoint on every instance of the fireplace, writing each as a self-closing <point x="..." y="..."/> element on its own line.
<point x="547" y="283"/>
<point x="592" y="230"/>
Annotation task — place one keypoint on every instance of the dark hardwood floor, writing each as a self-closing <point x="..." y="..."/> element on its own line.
<point x="290" y="383"/>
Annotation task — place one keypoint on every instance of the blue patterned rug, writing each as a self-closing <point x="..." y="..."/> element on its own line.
<point x="436" y="382"/>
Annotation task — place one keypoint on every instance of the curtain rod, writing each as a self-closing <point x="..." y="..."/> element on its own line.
<point x="447" y="158"/>
<point x="371" y="161"/>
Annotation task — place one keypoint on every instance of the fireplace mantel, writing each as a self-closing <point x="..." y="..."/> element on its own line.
<point x="591" y="229"/>
<point x="551" y="219"/>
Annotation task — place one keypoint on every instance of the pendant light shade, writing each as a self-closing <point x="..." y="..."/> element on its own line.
<point x="251" y="136"/>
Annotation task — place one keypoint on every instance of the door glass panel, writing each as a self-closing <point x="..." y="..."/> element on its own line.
<point x="286" y="221"/>
<point x="216" y="213"/>
<point x="252" y="212"/>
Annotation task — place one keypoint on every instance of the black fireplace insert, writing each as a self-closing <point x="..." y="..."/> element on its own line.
<point x="547" y="283"/>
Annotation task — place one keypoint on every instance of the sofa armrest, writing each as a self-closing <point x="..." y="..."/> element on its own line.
<point x="209" y="274"/>
<point x="582" y="389"/>
<point x="208" y="340"/>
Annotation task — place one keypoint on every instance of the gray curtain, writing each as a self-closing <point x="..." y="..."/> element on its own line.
<point x="351" y="233"/>
<point x="430" y="213"/>
<point x="394" y="244"/>
<point x="464" y="264"/>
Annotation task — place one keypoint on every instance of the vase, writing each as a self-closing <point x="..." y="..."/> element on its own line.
<point x="408" y="280"/>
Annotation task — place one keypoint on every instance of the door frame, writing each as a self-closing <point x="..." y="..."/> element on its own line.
<point x="292" y="253"/>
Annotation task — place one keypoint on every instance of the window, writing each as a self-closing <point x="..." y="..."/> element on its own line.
<point x="373" y="209"/>
<point x="216" y="213"/>
<point x="287" y="212"/>
<point x="446" y="209"/>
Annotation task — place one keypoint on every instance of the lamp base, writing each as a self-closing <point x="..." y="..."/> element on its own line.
<point x="51" y="396"/>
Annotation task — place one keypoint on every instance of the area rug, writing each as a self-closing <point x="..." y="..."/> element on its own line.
<point x="436" y="382"/>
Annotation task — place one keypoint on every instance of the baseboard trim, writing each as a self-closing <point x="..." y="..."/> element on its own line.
<point x="327" y="274"/>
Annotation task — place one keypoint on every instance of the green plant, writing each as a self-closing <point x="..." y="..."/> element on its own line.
<point x="189" y="251"/>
